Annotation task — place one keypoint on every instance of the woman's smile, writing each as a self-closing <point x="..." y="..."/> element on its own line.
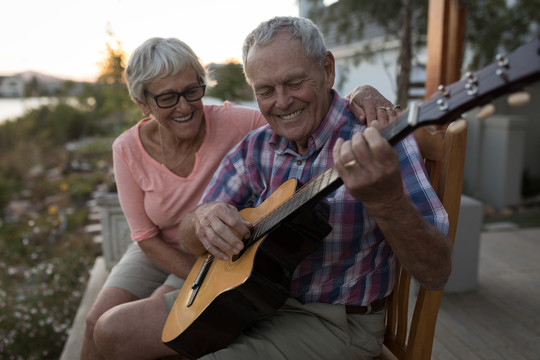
<point x="182" y="119"/>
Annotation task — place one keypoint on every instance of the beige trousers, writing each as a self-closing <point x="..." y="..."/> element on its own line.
<point x="311" y="332"/>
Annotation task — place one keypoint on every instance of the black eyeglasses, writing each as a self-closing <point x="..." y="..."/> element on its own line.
<point x="170" y="99"/>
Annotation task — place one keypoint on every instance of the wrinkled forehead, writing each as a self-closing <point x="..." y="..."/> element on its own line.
<point x="282" y="55"/>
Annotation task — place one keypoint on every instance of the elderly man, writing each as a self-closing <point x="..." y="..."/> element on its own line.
<point x="386" y="209"/>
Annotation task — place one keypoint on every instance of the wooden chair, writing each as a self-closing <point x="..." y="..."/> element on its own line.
<point x="444" y="156"/>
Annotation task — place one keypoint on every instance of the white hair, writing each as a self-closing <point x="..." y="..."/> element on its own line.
<point x="159" y="57"/>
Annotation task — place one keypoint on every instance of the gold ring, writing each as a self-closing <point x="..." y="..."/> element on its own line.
<point x="388" y="108"/>
<point x="350" y="164"/>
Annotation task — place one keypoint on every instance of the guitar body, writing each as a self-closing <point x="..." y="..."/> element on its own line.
<point x="236" y="292"/>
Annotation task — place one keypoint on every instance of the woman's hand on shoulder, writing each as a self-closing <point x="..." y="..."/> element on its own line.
<point x="368" y="105"/>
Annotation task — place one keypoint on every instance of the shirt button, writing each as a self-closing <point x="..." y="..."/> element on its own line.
<point x="298" y="162"/>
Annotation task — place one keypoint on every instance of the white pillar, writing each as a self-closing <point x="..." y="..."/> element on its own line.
<point x="502" y="154"/>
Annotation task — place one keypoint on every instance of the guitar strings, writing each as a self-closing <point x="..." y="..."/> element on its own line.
<point x="300" y="197"/>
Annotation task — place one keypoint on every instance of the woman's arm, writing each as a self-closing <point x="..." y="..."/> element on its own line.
<point x="167" y="257"/>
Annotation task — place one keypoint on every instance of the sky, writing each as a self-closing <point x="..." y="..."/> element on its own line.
<point x="67" y="38"/>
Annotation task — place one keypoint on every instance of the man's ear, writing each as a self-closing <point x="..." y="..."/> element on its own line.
<point x="330" y="69"/>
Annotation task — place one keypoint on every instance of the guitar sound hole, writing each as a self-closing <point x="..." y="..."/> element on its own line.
<point x="238" y="256"/>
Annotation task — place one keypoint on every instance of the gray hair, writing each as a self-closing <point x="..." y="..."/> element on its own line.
<point x="159" y="57"/>
<point x="300" y="28"/>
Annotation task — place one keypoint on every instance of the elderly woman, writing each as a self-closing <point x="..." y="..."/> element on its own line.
<point x="163" y="164"/>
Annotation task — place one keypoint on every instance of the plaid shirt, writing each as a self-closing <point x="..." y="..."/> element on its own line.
<point x="355" y="264"/>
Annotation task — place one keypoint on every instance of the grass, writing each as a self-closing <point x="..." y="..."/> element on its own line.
<point x="43" y="276"/>
<point x="45" y="254"/>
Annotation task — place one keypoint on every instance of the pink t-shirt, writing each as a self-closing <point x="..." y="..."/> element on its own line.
<point x="153" y="198"/>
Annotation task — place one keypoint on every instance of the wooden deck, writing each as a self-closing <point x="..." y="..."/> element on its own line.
<point x="499" y="321"/>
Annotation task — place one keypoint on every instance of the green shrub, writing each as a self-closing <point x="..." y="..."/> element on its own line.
<point x="45" y="255"/>
<point x="38" y="298"/>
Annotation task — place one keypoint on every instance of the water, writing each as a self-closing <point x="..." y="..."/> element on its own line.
<point x="11" y="108"/>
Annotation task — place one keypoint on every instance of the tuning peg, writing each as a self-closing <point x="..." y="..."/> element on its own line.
<point x="519" y="98"/>
<point x="485" y="112"/>
<point x="457" y="126"/>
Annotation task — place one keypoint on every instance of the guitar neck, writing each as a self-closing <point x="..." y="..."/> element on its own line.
<point x="508" y="73"/>
<point x="307" y="196"/>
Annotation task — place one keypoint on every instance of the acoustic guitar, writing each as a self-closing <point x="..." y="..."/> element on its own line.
<point x="221" y="298"/>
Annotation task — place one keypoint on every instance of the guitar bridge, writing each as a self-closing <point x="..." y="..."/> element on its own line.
<point x="200" y="278"/>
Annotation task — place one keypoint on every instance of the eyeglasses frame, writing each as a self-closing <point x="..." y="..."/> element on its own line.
<point x="178" y="94"/>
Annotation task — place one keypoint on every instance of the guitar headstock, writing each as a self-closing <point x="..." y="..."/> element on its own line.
<point x="507" y="74"/>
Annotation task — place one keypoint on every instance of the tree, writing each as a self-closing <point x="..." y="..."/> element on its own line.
<point x="349" y="18"/>
<point x="492" y="26"/>
<point x="111" y="100"/>
<point x="230" y="82"/>
<point x="499" y="26"/>
<point x="32" y="87"/>
<point x="405" y="53"/>
<point x="112" y="67"/>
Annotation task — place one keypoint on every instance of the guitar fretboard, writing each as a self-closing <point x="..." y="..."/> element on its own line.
<point x="312" y="192"/>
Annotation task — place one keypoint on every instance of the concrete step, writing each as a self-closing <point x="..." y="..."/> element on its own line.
<point x="94" y="217"/>
<point x="73" y="345"/>
<point x="93" y="228"/>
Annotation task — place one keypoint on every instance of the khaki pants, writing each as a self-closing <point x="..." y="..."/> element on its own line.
<point x="311" y="332"/>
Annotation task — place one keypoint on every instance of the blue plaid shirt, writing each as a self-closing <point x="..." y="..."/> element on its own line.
<point x="355" y="265"/>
